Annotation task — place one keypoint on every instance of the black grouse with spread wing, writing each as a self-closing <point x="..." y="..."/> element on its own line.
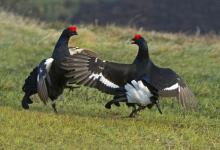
<point x="47" y="79"/>
<point x="115" y="79"/>
<point x="166" y="81"/>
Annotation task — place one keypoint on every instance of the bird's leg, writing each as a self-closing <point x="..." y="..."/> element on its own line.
<point x="158" y="107"/>
<point x="149" y="106"/>
<point x="155" y="101"/>
<point x="141" y="108"/>
<point x="114" y="101"/>
<point x="54" y="106"/>
<point x="136" y="110"/>
<point x="133" y="112"/>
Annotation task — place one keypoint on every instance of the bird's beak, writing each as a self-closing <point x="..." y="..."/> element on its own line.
<point x="132" y="41"/>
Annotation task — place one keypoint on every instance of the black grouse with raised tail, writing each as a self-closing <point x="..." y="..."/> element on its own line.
<point x="47" y="79"/>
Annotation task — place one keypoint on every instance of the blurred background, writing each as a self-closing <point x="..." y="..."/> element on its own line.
<point x="188" y="16"/>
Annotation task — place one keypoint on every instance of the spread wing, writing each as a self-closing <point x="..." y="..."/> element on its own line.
<point x="89" y="70"/>
<point x="170" y="84"/>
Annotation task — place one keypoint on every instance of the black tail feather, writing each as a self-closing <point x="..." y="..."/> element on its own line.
<point x="26" y="101"/>
<point x="30" y="88"/>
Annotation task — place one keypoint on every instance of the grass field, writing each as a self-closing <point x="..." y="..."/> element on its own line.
<point x="82" y="121"/>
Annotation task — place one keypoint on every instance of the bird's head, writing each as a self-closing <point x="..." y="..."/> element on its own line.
<point x="71" y="30"/>
<point x="137" y="39"/>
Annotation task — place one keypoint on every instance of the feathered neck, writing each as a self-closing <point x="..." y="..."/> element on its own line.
<point x="143" y="55"/>
<point x="61" y="47"/>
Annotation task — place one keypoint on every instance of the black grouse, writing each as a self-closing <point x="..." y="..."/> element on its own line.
<point x="169" y="83"/>
<point x="47" y="79"/>
<point x="127" y="82"/>
<point x="113" y="78"/>
<point x="165" y="80"/>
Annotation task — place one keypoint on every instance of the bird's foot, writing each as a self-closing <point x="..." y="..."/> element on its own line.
<point x="54" y="107"/>
<point x="133" y="112"/>
<point x="155" y="101"/>
<point x="108" y="105"/>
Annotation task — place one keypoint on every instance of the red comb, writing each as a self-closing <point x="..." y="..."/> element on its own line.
<point x="137" y="36"/>
<point x="72" y="28"/>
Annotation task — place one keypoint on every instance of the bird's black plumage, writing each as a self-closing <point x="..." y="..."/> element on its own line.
<point x="94" y="72"/>
<point x="168" y="82"/>
<point x="29" y="88"/>
<point x="110" y="77"/>
<point x="49" y="82"/>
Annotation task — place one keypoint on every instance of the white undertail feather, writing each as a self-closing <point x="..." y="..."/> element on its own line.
<point x="102" y="79"/>
<point x="138" y="93"/>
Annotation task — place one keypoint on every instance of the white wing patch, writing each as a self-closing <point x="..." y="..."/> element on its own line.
<point x="138" y="93"/>
<point x="173" y="87"/>
<point x="48" y="63"/>
<point x="75" y="50"/>
<point x="102" y="79"/>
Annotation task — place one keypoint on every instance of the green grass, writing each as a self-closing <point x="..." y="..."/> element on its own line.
<point x="82" y="121"/>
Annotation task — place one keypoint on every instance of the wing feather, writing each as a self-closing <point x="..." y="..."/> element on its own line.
<point x="186" y="97"/>
<point x="89" y="70"/>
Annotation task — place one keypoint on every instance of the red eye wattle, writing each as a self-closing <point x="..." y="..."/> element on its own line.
<point x="137" y="36"/>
